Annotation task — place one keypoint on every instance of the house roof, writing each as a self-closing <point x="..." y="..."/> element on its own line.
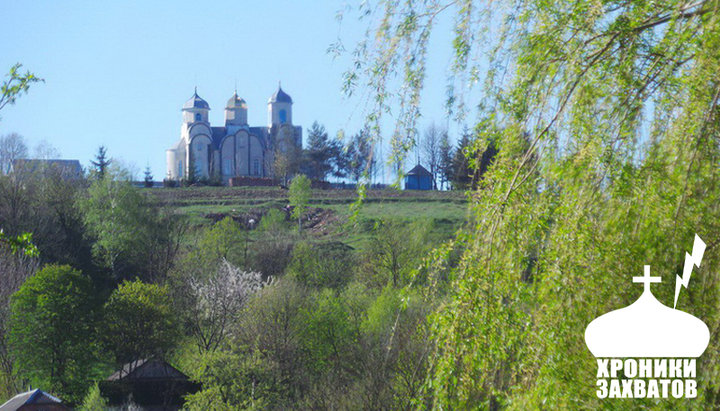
<point x="35" y="396"/>
<point x="419" y="170"/>
<point x="147" y="369"/>
<point x="66" y="167"/>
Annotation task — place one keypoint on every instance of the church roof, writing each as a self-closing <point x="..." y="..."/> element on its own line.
<point x="280" y="97"/>
<point x="196" y="102"/>
<point x="236" y="102"/>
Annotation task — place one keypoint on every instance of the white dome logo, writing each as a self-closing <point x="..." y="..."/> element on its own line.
<point x="653" y="337"/>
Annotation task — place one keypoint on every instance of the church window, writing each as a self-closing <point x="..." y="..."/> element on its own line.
<point x="283" y="116"/>
<point x="256" y="167"/>
<point x="198" y="117"/>
<point x="227" y="167"/>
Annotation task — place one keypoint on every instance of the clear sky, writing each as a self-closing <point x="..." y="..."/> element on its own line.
<point x="117" y="73"/>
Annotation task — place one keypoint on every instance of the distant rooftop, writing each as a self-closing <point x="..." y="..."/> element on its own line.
<point x="33" y="397"/>
<point x="67" y="168"/>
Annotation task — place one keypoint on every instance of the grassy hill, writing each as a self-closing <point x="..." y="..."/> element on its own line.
<point x="330" y="209"/>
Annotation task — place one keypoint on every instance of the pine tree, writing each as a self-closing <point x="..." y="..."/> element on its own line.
<point x="446" y="161"/>
<point x="101" y="163"/>
<point x="318" y="154"/>
<point x="148" y="177"/>
<point x="460" y="177"/>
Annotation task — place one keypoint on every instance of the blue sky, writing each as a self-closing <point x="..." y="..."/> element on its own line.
<point x="117" y="73"/>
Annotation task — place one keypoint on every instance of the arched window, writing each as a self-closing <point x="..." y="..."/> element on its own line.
<point x="283" y="116"/>
<point x="198" y="117"/>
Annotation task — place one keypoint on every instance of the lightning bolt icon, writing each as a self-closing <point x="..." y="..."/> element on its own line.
<point x="691" y="260"/>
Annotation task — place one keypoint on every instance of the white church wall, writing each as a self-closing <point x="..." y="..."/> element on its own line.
<point x="227" y="151"/>
<point x="241" y="158"/>
<point x="256" y="157"/>
<point x="201" y="152"/>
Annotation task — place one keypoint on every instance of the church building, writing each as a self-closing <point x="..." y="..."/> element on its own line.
<point x="235" y="149"/>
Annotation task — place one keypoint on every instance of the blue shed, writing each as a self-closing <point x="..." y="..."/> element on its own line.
<point x="418" y="179"/>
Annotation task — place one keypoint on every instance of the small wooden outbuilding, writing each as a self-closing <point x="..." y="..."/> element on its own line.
<point x="150" y="383"/>
<point x="418" y="179"/>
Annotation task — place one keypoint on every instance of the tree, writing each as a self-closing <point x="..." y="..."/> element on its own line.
<point x="15" y="268"/>
<point x="394" y="251"/>
<point x="52" y="334"/>
<point x="12" y="147"/>
<point x="16" y="85"/>
<point x="361" y="161"/>
<point x="287" y="154"/>
<point x="322" y="156"/>
<point x="431" y="153"/>
<point x="461" y="172"/>
<point x="299" y="197"/>
<point x="322" y="265"/>
<point x="148" y="177"/>
<point x="139" y="322"/>
<point x="45" y="151"/>
<point x="101" y="163"/>
<point x="132" y="238"/>
<point x="94" y="401"/>
<point x="445" y="166"/>
<point x="213" y="302"/>
<point x="606" y="129"/>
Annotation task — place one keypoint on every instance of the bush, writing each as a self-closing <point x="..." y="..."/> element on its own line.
<point x="322" y="265"/>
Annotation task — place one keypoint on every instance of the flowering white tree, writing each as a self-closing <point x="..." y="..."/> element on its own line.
<point x="218" y="299"/>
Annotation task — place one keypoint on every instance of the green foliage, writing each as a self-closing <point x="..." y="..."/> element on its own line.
<point x="52" y="331"/>
<point x="233" y="381"/>
<point x="132" y="238"/>
<point x="22" y="243"/>
<point x="605" y="118"/>
<point x="322" y="156"/>
<point x="299" y="196"/>
<point x="16" y="85"/>
<point x="273" y="221"/>
<point x="148" y="179"/>
<point x="328" y="333"/>
<point x="322" y="265"/>
<point x="394" y="251"/>
<point x="360" y="161"/>
<point x="225" y="239"/>
<point x="93" y="400"/>
<point x="139" y="322"/>
<point x="101" y="163"/>
<point x="287" y="154"/>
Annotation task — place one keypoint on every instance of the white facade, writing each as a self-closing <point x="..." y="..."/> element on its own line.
<point x="235" y="149"/>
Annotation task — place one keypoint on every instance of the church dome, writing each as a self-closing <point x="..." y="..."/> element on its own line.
<point x="280" y="97"/>
<point x="647" y="329"/>
<point x="196" y="102"/>
<point x="236" y="102"/>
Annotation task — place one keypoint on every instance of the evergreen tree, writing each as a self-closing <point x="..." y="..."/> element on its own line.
<point x="319" y="154"/>
<point x="460" y="178"/>
<point x="101" y="163"/>
<point x="360" y="159"/>
<point x="148" y="177"/>
<point x="446" y="161"/>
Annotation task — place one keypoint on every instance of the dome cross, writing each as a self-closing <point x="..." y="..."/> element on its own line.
<point x="646" y="279"/>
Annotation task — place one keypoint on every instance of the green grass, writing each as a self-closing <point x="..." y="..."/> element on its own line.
<point x="446" y="211"/>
